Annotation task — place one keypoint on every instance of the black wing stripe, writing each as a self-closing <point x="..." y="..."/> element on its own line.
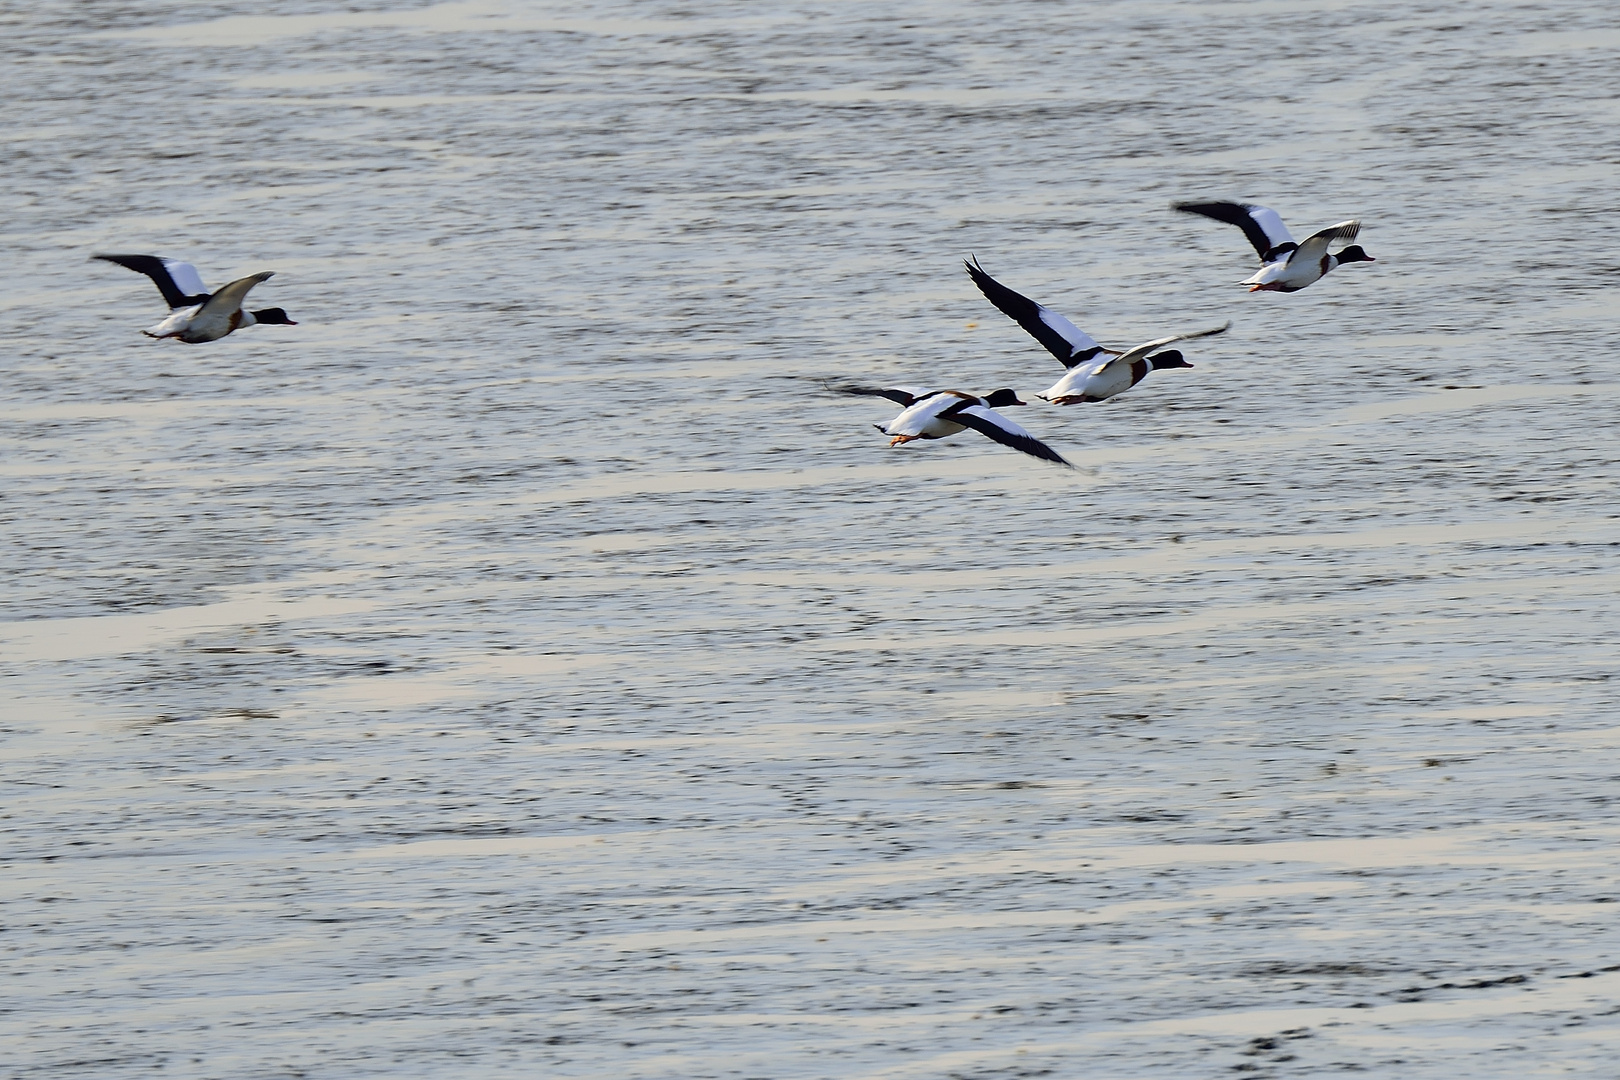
<point x="1233" y="214"/>
<point x="1022" y="310"/>
<point x="899" y="397"/>
<point x="988" y="427"/>
<point x="153" y="267"/>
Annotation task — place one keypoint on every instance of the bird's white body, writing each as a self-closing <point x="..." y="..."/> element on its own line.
<point x="922" y="420"/>
<point x="175" y="324"/>
<point x="197" y="324"/>
<point x="1095" y="382"/>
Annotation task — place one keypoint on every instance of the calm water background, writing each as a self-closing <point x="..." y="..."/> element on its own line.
<point x="523" y="668"/>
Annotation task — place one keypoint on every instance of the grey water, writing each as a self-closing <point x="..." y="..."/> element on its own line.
<point x="525" y="667"/>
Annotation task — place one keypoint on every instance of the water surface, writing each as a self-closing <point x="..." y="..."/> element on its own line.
<point x="523" y="667"/>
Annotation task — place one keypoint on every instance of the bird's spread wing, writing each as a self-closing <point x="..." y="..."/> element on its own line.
<point x="231" y="296"/>
<point x="185" y="275"/>
<point x="1062" y="338"/>
<point x="986" y="421"/>
<point x="1148" y="346"/>
<point x="1263" y="227"/>
<point x="178" y="281"/>
<point x="1316" y="244"/>
<point x="900" y="395"/>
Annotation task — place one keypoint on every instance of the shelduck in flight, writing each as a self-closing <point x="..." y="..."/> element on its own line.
<point x="1095" y="373"/>
<point x="939" y="414"/>
<point x="195" y="314"/>
<point x="1285" y="265"/>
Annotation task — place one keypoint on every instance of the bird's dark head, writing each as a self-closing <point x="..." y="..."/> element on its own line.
<point x="1168" y="359"/>
<point x="273" y="316"/>
<point x="1354" y="253"/>
<point x="1000" y="399"/>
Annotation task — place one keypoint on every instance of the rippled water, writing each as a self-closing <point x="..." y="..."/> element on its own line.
<point x="523" y="667"/>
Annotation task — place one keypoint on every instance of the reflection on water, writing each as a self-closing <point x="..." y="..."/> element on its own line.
<point x="524" y="664"/>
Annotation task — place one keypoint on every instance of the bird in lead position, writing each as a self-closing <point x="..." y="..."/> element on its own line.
<point x="1284" y="265"/>
<point x="1094" y="372"/>
<point x="939" y="414"/>
<point x="195" y="314"/>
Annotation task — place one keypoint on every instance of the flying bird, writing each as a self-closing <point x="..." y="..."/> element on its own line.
<point x="1094" y="373"/>
<point x="1284" y="265"/>
<point x="195" y="314"/>
<point x="939" y="414"/>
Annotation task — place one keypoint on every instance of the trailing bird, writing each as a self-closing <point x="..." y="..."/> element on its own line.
<point x="939" y="414"/>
